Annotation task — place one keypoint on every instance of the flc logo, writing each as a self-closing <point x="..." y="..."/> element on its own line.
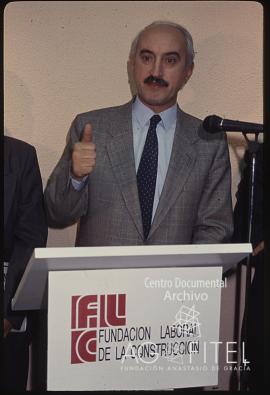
<point x="88" y="314"/>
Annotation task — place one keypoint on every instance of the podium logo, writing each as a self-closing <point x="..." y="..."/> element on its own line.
<point x="88" y="314"/>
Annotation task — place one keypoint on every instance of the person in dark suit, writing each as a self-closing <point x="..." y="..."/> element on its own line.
<point x="253" y="329"/>
<point x="99" y="181"/>
<point x="25" y="228"/>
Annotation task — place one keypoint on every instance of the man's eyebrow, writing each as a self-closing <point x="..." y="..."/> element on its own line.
<point x="173" y="54"/>
<point x="147" y="51"/>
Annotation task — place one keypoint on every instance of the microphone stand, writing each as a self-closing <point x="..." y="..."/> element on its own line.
<point x="252" y="147"/>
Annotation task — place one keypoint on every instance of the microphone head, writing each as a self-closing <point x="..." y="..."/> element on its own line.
<point x="212" y="124"/>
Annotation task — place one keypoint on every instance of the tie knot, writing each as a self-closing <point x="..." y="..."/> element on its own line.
<point x="154" y="120"/>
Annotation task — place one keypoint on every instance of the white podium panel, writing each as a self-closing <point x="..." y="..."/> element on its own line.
<point x="134" y="329"/>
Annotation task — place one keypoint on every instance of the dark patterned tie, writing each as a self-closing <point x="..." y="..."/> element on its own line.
<point x="147" y="174"/>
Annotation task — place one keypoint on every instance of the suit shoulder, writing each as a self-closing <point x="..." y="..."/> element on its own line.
<point x="196" y="132"/>
<point x="17" y="153"/>
<point x="191" y="119"/>
<point x="107" y="112"/>
<point x="17" y="145"/>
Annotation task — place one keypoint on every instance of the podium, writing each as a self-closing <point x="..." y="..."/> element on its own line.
<point x="130" y="318"/>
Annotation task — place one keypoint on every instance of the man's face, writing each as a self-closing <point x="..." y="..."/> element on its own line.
<point x="161" y="53"/>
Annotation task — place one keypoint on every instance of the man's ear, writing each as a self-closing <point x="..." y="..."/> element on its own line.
<point x="189" y="72"/>
<point x="130" y="65"/>
<point x="130" y="72"/>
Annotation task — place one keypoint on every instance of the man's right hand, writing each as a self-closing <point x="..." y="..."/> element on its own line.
<point x="84" y="154"/>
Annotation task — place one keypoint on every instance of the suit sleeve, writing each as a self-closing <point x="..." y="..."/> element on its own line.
<point x="63" y="203"/>
<point x="30" y="230"/>
<point x="215" y="215"/>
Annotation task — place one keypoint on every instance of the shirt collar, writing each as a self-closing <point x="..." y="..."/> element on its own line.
<point x="143" y="113"/>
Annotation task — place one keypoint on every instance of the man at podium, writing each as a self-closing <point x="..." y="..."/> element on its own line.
<point x="145" y="172"/>
<point x="25" y="228"/>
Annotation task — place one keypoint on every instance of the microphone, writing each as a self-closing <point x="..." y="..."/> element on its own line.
<point x="215" y="124"/>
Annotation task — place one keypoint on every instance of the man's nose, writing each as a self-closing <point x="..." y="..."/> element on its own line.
<point x="157" y="69"/>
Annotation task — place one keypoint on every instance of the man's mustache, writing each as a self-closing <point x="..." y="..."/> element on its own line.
<point x="156" y="80"/>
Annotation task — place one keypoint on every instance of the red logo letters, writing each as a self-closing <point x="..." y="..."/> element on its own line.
<point x="88" y="313"/>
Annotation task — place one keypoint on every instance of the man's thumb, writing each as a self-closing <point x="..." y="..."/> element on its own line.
<point x="87" y="133"/>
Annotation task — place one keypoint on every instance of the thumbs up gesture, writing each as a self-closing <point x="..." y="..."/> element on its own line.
<point x="84" y="154"/>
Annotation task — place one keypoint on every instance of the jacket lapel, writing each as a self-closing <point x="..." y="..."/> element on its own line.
<point x="181" y="163"/>
<point x="121" y="153"/>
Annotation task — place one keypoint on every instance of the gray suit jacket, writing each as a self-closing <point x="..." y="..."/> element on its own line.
<point x="195" y="205"/>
